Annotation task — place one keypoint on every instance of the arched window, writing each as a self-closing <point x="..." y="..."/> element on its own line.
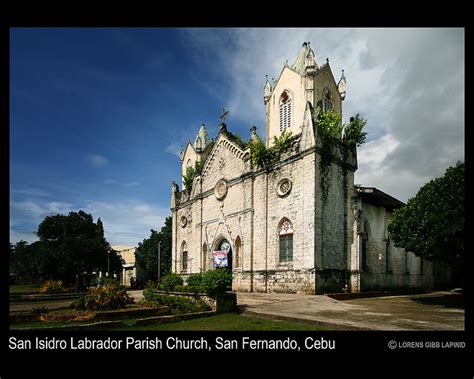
<point x="189" y="163"/>
<point x="205" y="260"/>
<point x="327" y="102"/>
<point x="388" y="258"/>
<point x="365" y="249"/>
<point x="184" y="256"/>
<point x="285" y="111"/>
<point x="238" y="245"/>
<point x="285" y="233"/>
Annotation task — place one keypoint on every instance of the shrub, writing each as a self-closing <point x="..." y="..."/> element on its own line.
<point x="108" y="280"/>
<point x="259" y="154"/>
<point x="170" y="281"/>
<point x="188" y="289"/>
<point x="39" y="310"/>
<point x="282" y="143"/>
<point x="179" y="303"/>
<point x="107" y="297"/>
<point x="151" y="284"/>
<point x="353" y="134"/>
<point x="51" y="287"/>
<point x="329" y="125"/>
<point x="194" y="280"/>
<point x="216" y="281"/>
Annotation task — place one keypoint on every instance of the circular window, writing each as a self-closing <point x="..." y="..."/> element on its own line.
<point x="183" y="221"/>
<point x="221" y="189"/>
<point x="284" y="187"/>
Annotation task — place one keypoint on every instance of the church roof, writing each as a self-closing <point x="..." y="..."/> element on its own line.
<point x="378" y="198"/>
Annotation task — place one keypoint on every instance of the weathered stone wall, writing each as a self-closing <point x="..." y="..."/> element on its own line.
<point x="404" y="267"/>
<point x="333" y="231"/>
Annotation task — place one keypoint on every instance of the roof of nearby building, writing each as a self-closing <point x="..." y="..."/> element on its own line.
<point x="122" y="248"/>
<point x="378" y="198"/>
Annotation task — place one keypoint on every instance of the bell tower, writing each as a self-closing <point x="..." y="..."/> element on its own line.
<point x="299" y="86"/>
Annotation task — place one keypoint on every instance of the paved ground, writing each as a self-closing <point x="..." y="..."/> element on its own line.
<point x="434" y="311"/>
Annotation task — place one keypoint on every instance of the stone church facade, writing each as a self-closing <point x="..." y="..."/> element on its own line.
<point x="282" y="231"/>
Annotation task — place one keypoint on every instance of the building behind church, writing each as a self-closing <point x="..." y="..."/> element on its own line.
<point x="290" y="226"/>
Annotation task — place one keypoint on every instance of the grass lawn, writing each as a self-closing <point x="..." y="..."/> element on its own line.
<point x="221" y="322"/>
<point x="226" y="321"/>
<point x="28" y="288"/>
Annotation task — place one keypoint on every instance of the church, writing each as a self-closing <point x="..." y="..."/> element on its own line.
<point x="289" y="226"/>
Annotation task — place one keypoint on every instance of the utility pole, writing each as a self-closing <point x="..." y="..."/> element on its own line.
<point x="108" y="263"/>
<point x="159" y="255"/>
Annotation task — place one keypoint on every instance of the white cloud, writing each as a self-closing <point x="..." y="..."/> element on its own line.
<point x="131" y="184"/>
<point x="174" y="148"/>
<point x="97" y="160"/>
<point x="36" y="210"/>
<point x="374" y="152"/>
<point x="127" y="222"/>
<point x="31" y="191"/>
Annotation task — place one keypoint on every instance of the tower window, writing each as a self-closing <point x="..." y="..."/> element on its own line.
<point x="285" y="111"/>
<point x="286" y="241"/>
<point x="327" y="103"/>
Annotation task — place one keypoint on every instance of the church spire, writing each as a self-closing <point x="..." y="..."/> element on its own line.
<point x="306" y="58"/>
<point x="202" y="139"/>
<point x="267" y="90"/>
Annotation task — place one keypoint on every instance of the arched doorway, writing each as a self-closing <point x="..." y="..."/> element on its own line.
<point x="224" y="245"/>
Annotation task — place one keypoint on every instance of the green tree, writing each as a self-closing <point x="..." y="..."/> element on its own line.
<point x="259" y="154"/>
<point x="146" y="254"/>
<point x="329" y="125"/>
<point x="74" y="244"/>
<point x="191" y="173"/>
<point x="353" y="134"/>
<point x="431" y="224"/>
<point x="22" y="261"/>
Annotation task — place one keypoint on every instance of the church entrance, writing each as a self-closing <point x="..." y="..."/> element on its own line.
<point x="223" y="255"/>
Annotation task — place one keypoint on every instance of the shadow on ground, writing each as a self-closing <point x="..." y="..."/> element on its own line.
<point x="447" y="300"/>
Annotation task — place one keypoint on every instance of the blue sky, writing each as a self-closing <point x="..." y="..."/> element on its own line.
<point x="98" y="115"/>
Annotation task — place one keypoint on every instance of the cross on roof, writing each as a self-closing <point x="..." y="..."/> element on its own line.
<point x="223" y="115"/>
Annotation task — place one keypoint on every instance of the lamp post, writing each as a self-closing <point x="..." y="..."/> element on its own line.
<point x="108" y="263"/>
<point x="159" y="254"/>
